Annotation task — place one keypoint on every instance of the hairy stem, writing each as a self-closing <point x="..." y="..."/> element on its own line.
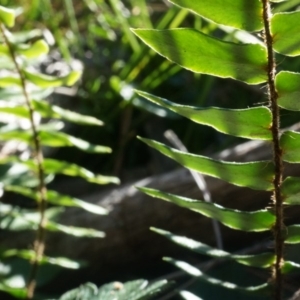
<point x="39" y="244"/>
<point x="277" y="278"/>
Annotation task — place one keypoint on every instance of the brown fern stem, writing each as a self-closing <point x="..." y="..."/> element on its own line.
<point x="39" y="243"/>
<point x="277" y="277"/>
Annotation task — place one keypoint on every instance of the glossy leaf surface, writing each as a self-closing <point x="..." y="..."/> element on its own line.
<point x="287" y="85"/>
<point x="38" y="48"/>
<point x="240" y="14"/>
<point x="285" y="29"/>
<point x="252" y="123"/>
<point x="263" y="260"/>
<point x="200" y="53"/>
<point x="256" y="175"/>
<point x="290" y="143"/>
<point x="248" y="221"/>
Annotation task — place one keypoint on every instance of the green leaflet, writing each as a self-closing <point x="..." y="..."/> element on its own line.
<point x="9" y="81"/>
<point x="38" y="48"/>
<point x="30" y="254"/>
<point x="52" y="111"/>
<point x="252" y="123"/>
<point x="263" y="260"/>
<point x="287" y="85"/>
<point x="248" y="221"/>
<point x="255" y="175"/>
<point x="7" y="16"/>
<point x="75" y="231"/>
<point x="200" y="53"/>
<point x="191" y="270"/>
<point x="285" y="29"/>
<point x="48" y="111"/>
<point x="240" y="14"/>
<point x="53" y="166"/>
<point x="293" y="234"/>
<point x="291" y="190"/>
<point x="56" y="198"/>
<point x="17" y="292"/>
<point x="290" y="143"/>
<point x="52" y="139"/>
<point x="45" y="81"/>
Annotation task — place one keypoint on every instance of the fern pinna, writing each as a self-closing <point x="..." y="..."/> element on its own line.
<point x="252" y="63"/>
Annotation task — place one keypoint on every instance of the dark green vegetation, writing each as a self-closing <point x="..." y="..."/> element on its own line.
<point x="118" y="73"/>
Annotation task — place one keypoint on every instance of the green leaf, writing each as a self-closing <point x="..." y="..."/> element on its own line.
<point x="133" y="290"/>
<point x="46" y="81"/>
<point x="290" y="266"/>
<point x="290" y="143"/>
<point x="263" y="260"/>
<point x="9" y="81"/>
<point x="252" y="123"/>
<point x="293" y="234"/>
<point x="255" y="175"/>
<point x="290" y="190"/>
<point x="248" y="221"/>
<point x="200" y="53"/>
<point x="7" y="16"/>
<point x="38" y="48"/>
<point x="287" y="86"/>
<point x="285" y="29"/>
<point x="58" y="199"/>
<point x="16" y="292"/>
<point x="52" y="111"/>
<point x="191" y="270"/>
<point x="30" y="254"/>
<point x="75" y="231"/>
<point x="52" y="139"/>
<point x="53" y="166"/>
<point x="240" y="14"/>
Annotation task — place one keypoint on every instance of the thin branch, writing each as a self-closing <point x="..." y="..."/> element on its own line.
<point x="277" y="198"/>
<point x="201" y="183"/>
<point x="39" y="243"/>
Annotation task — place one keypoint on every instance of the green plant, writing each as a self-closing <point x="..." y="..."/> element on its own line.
<point x="253" y="64"/>
<point x="22" y="92"/>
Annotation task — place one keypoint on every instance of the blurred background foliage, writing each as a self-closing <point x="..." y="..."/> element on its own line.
<point x="95" y="34"/>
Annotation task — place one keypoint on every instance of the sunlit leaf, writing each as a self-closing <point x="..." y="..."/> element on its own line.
<point x="287" y="85"/>
<point x="9" y="81"/>
<point x="293" y="234"/>
<point x="30" y="254"/>
<point x="191" y="270"/>
<point x="261" y="220"/>
<point x="285" y="29"/>
<point x="58" y="199"/>
<point x="52" y="111"/>
<point x="16" y="292"/>
<point x="290" y="266"/>
<point x="38" y="48"/>
<point x="252" y="123"/>
<point x="262" y="260"/>
<point x="75" y="231"/>
<point x="256" y="175"/>
<point x="7" y="16"/>
<point x="290" y="143"/>
<point x="290" y="190"/>
<point x="240" y="14"/>
<point x="200" y="53"/>
<point x="46" y="81"/>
